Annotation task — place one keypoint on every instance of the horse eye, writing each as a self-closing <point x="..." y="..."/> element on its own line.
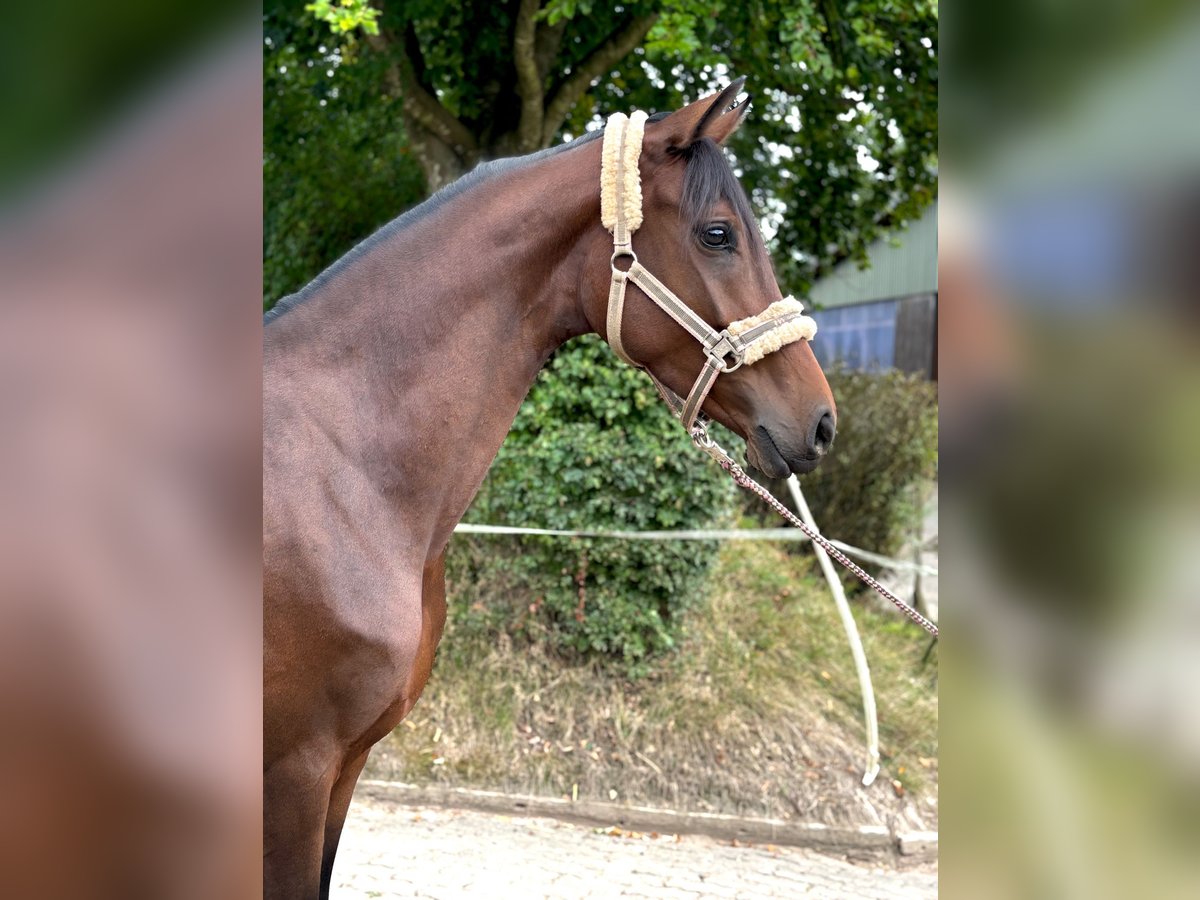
<point x="715" y="236"/>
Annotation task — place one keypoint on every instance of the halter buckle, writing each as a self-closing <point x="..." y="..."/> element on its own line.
<point x="725" y="347"/>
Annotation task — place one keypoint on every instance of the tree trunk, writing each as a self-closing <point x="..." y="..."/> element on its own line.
<point x="441" y="144"/>
<point x="445" y="148"/>
<point x="438" y="160"/>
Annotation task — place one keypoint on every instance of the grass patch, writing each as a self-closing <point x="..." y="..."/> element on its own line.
<point x="757" y="713"/>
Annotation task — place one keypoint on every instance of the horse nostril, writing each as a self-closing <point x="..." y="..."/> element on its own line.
<point x="823" y="435"/>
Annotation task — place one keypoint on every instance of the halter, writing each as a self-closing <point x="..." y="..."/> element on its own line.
<point x="742" y="343"/>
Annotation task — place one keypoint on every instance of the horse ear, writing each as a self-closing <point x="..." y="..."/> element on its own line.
<point x="715" y="116"/>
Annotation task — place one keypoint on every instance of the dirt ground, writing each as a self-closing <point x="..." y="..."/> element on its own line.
<point x="390" y="850"/>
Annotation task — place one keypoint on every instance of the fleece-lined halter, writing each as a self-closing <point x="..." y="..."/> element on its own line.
<point x="742" y="343"/>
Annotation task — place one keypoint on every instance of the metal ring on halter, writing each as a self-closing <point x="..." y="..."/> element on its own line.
<point x="741" y="361"/>
<point x="619" y="252"/>
<point x="701" y="438"/>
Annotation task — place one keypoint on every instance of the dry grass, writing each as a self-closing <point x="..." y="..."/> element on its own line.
<point x="757" y="714"/>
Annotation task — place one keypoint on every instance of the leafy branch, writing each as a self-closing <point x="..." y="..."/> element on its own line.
<point x="344" y="16"/>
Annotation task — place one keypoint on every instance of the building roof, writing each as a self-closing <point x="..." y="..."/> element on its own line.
<point x="896" y="271"/>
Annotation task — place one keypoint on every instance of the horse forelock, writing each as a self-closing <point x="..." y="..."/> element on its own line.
<point x="708" y="179"/>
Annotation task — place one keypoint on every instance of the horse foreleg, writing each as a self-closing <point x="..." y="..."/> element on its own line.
<point x="433" y="618"/>
<point x="296" y="794"/>
<point x="335" y="818"/>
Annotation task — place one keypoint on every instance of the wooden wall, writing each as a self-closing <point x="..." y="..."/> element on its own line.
<point x="916" y="335"/>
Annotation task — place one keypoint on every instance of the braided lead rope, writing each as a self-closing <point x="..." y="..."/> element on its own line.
<point x="702" y="439"/>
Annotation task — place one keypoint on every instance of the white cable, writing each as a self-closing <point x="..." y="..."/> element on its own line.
<point x="728" y="534"/>
<point x="856" y="647"/>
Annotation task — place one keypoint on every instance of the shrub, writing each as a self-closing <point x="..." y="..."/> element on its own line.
<point x="593" y="447"/>
<point x="867" y="491"/>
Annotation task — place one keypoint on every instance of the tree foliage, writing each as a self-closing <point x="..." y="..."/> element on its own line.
<point x="336" y="164"/>
<point x="841" y="143"/>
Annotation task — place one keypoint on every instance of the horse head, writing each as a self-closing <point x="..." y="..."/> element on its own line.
<point x="698" y="236"/>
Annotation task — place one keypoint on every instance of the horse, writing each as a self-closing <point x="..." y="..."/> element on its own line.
<point x="391" y="380"/>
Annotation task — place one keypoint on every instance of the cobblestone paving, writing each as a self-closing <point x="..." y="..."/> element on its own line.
<point x="388" y="850"/>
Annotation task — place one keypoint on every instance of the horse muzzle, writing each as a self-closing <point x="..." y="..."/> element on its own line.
<point x="778" y="452"/>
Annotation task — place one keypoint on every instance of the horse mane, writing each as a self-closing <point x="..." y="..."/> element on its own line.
<point x="708" y="178"/>
<point x="482" y="172"/>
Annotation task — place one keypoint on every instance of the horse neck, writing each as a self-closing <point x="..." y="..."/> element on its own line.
<point x="417" y="354"/>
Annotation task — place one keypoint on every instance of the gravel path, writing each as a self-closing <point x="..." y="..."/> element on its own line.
<point x="389" y="850"/>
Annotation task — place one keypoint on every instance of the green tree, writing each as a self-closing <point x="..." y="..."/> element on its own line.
<point x="336" y="163"/>
<point x="841" y="144"/>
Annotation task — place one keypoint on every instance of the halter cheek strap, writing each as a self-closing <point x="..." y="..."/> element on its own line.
<point x="742" y="343"/>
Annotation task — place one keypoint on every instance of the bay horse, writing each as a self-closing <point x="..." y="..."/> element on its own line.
<point x="390" y="382"/>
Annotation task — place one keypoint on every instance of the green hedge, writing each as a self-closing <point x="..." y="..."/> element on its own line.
<point x="593" y="447"/>
<point x="867" y="492"/>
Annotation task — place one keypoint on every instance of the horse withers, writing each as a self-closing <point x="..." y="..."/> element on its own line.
<point x="390" y="382"/>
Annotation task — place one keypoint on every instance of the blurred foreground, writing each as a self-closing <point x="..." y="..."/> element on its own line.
<point x="130" y="627"/>
<point x="1069" y="232"/>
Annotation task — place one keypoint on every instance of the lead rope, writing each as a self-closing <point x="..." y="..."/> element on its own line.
<point x="702" y="439"/>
